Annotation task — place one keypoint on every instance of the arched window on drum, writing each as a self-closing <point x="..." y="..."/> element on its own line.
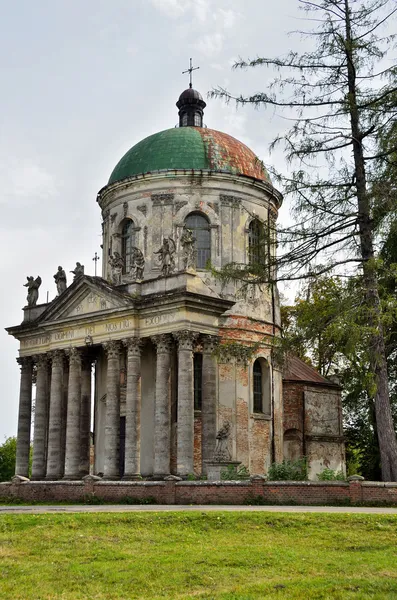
<point x="200" y="227"/>
<point x="127" y="243"/>
<point x="255" y="242"/>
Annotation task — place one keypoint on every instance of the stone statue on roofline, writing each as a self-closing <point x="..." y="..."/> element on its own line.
<point x="189" y="253"/>
<point x="33" y="290"/>
<point x="78" y="271"/>
<point x="167" y="256"/>
<point x="116" y="263"/>
<point x="60" y="280"/>
<point x="137" y="264"/>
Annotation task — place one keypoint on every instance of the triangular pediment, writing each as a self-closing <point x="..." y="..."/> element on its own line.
<point x="87" y="296"/>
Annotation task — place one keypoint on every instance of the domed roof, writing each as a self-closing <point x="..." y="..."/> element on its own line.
<point x="190" y="95"/>
<point x="187" y="148"/>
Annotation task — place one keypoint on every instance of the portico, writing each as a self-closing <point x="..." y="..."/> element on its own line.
<point x="62" y="360"/>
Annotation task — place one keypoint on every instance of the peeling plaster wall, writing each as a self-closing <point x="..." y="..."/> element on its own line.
<point x="313" y="426"/>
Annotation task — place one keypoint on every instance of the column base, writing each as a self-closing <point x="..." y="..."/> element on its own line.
<point x="133" y="477"/>
<point x="38" y="478"/>
<point x="159" y="476"/>
<point x="52" y="477"/>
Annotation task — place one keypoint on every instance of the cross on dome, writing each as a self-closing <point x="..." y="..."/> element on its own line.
<point x="190" y="70"/>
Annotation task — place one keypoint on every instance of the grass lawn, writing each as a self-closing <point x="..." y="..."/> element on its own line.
<point x="222" y="556"/>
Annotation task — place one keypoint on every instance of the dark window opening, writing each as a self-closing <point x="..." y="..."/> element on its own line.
<point x="127" y="244"/>
<point x="122" y="447"/>
<point x="255" y="240"/>
<point x="201" y="232"/>
<point x="258" y="387"/>
<point x="197" y="380"/>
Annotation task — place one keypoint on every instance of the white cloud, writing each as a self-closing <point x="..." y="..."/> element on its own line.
<point x="172" y="8"/>
<point x="25" y="179"/>
<point x="227" y="17"/>
<point x="210" y="44"/>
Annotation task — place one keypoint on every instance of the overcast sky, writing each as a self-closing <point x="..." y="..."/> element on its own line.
<point x="82" y="82"/>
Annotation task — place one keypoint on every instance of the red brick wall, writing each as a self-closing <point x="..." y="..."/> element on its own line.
<point x="293" y="405"/>
<point x="204" y="492"/>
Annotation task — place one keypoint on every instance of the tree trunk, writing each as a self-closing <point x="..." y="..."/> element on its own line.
<point x="377" y="353"/>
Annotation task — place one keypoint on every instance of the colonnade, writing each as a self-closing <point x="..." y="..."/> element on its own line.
<point x="62" y="416"/>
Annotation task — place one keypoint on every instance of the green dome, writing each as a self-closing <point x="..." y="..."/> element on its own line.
<point x="188" y="148"/>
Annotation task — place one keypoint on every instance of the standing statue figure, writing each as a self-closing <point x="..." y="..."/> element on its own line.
<point x="137" y="264"/>
<point x="189" y="251"/>
<point x="222" y="453"/>
<point x="167" y="256"/>
<point x="78" y="271"/>
<point x="116" y="263"/>
<point x="33" y="290"/>
<point x="60" y="280"/>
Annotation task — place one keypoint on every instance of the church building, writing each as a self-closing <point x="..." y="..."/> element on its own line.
<point x="142" y="371"/>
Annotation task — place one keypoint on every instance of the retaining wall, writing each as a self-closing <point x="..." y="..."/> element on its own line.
<point x="205" y="492"/>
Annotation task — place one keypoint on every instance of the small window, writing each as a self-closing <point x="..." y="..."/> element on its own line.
<point x="201" y="232"/>
<point x="198" y="377"/>
<point x="197" y="120"/>
<point x="255" y="240"/>
<point x="258" y="387"/>
<point x="261" y="387"/>
<point x="127" y="243"/>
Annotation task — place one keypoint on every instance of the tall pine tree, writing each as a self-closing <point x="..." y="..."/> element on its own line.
<point x="341" y="95"/>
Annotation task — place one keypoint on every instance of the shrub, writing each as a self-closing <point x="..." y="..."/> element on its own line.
<point x="331" y="475"/>
<point x="131" y="500"/>
<point x="234" y="473"/>
<point x="8" y="452"/>
<point x="288" y="470"/>
<point x="92" y="499"/>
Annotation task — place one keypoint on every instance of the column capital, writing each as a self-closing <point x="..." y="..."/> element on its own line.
<point x="209" y="342"/>
<point x="112" y="348"/>
<point x="185" y="339"/>
<point x="163" y="342"/>
<point x="74" y="355"/>
<point x="41" y="360"/>
<point x="25" y="362"/>
<point x="134" y="345"/>
<point x="57" y="357"/>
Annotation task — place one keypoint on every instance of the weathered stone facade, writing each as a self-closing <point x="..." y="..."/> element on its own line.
<point x="152" y="326"/>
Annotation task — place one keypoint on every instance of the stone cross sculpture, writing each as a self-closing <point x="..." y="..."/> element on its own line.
<point x="221" y="452"/>
<point x="60" y="280"/>
<point x="167" y="256"/>
<point x="78" y="271"/>
<point x="33" y="290"/>
<point x="189" y="252"/>
<point x="137" y="264"/>
<point x="116" y="263"/>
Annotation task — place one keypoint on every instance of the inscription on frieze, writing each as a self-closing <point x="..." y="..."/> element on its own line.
<point x="78" y="334"/>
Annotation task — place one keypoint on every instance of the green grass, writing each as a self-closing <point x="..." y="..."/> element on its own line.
<point x="214" y="555"/>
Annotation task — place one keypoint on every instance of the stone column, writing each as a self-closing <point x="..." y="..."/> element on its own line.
<point x="54" y="454"/>
<point x="112" y="422"/>
<point x="24" y="417"/>
<point x="85" y="416"/>
<point x="278" y="417"/>
<point x="209" y="400"/>
<point x="132" y="467"/>
<point x="162" y="416"/>
<point x="73" y="443"/>
<point x="40" y="418"/>
<point x="185" y="439"/>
